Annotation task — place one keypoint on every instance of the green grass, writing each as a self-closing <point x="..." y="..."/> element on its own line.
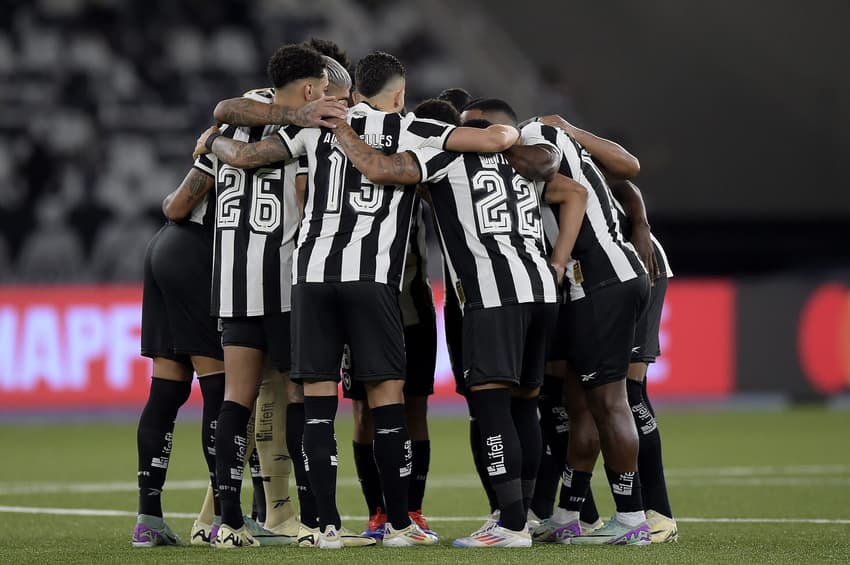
<point x="701" y="450"/>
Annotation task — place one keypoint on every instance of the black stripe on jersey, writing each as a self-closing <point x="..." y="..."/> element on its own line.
<point x="319" y="194"/>
<point x="423" y="129"/>
<point x="438" y="162"/>
<point x="565" y="169"/>
<point x="351" y="179"/>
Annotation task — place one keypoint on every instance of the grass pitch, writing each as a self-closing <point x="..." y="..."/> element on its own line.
<point x="763" y="487"/>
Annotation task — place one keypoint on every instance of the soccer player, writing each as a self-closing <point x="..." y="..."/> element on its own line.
<point x="646" y="348"/>
<point x="490" y="229"/>
<point x="608" y="289"/>
<point x="181" y="337"/>
<point x="347" y="272"/>
<point x="256" y="221"/>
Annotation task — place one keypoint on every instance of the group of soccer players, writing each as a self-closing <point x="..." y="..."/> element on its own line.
<point x="294" y="257"/>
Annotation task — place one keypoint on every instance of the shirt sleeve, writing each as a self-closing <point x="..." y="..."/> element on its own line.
<point x="420" y="132"/>
<point x="294" y="138"/>
<point x="536" y="133"/>
<point x="433" y="163"/>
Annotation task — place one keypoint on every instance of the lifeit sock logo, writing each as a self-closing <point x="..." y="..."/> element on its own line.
<point x="495" y="456"/>
<point x="625" y="484"/>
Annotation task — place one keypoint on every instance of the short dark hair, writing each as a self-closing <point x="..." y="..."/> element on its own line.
<point x="329" y="49"/>
<point x="491" y="105"/>
<point x="374" y="71"/>
<point x="294" y="62"/>
<point x="441" y="110"/>
<point x="457" y="97"/>
<point x="479" y="123"/>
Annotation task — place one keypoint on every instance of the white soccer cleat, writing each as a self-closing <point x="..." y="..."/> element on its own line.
<point x="497" y="536"/>
<point x="330" y="538"/>
<point x="662" y="528"/>
<point x="228" y="538"/>
<point x="411" y="536"/>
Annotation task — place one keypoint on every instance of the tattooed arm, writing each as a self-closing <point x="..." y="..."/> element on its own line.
<point x="240" y="154"/>
<point x="400" y="168"/>
<point x="246" y="112"/>
<point x="180" y="203"/>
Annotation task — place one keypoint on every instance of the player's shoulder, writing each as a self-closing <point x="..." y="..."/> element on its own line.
<point x="265" y="95"/>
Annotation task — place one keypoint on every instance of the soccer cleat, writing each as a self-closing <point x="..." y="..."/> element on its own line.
<point x="201" y="533"/>
<point x="411" y="536"/>
<point x="307" y="537"/>
<point x="228" y="538"/>
<point x="330" y="538"/>
<point x="661" y="528"/>
<point x="352" y="539"/>
<point x="533" y="520"/>
<point x="587" y="528"/>
<point x="616" y="533"/>
<point x="491" y="522"/>
<point x="214" y="533"/>
<point x="551" y="531"/>
<point x="497" y="536"/>
<point x="264" y="536"/>
<point x="418" y="519"/>
<point x="288" y="527"/>
<point x="375" y="527"/>
<point x="151" y="531"/>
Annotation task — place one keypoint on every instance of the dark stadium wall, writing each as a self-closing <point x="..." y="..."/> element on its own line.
<point x="736" y="109"/>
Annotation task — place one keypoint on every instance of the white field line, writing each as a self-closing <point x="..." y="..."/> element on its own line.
<point x="127" y="513"/>
<point x="736" y="476"/>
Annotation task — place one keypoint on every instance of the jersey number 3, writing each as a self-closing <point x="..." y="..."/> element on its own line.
<point x="265" y="213"/>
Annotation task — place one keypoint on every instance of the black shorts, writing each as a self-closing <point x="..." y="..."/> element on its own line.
<point x="420" y="347"/>
<point x="365" y="315"/>
<point x="453" y="326"/>
<point x="647" y="345"/>
<point x="595" y="333"/>
<point x="176" y="321"/>
<point x="269" y="333"/>
<point x="507" y="344"/>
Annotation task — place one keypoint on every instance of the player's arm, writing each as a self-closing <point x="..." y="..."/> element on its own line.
<point x="180" y="203"/>
<point x="240" y="154"/>
<point x="252" y="113"/>
<point x="613" y="156"/>
<point x="631" y="198"/>
<point x="492" y="139"/>
<point x="399" y="168"/>
<point x="572" y="198"/>
<point x="536" y="162"/>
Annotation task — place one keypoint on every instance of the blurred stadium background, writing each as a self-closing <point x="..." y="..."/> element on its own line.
<point x="740" y="118"/>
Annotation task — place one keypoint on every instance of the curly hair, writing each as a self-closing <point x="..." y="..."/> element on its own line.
<point x="329" y="49"/>
<point x="294" y="62"/>
<point x="457" y="97"/>
<point x="374" y="71"/>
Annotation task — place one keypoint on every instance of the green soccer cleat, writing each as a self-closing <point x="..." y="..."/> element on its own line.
<point x="616" y="533"/>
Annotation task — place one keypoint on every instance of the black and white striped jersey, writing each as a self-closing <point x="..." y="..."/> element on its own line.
<point x="352" y="229"/>
<point x="204" y="213"/>
<point x="256" y="221"/>
<point x="600" y="255"/>
<point x="660" y="255"/>
<point x="416" y="300"/>
<point x="488" y="219"/>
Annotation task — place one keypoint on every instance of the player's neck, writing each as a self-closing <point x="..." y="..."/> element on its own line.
<point x="283" y="97"/>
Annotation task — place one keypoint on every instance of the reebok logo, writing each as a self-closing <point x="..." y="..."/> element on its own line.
<point x="466" y="374"/>
<point x="636" y="349"/>
<point x="387" y="431"/>
<point x="318" y="421"/>
<point x="280" y="502"/>
<point x="588" y="377"/>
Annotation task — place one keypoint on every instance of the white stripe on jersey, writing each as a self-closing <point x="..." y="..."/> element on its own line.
<point x="619" y="262"/>
<point x="666" y="269"/>
<point x="521" y="280"/>
<point x="256" y="247"/>
<point x="227" y="257"/>
<point x="386" y="236"/>
<point x="550" y="291"/>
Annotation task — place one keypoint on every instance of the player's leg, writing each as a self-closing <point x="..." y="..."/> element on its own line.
<point x="650" y="462"/>
<point x="554" y="427"/>
<point x="243" y="341"/>
<point x="376" y="336"/>
<point x="317" y="344"/>
<point x="211" y="380"/>
<point x="493" y="344"/>
<point x="308" y="532"/>
<point x="170" y="387"/>
<point x="614" y="311"/>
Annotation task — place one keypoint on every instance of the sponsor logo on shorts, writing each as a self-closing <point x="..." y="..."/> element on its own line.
<point x="588" y="377"/>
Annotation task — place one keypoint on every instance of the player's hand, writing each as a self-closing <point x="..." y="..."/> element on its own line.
<point x="556" y="121"/>
<point x="560" y="271"/>
<point x="201" y="144"/>
<point x="313" y="113"/>
<point x="646" y="251"/>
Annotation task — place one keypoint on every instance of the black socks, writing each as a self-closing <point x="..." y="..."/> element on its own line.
<point x="650" y="462"/>
<point x="153" y="440"/>
<point x="393" y="457"/>
<point x="295" y="445"/>
<point x="212" y="389"/>
<point x="321" y="456"/>
<point x="231" y="441"/>
<point x="369" y="477"/>
<point x="421" y="464"/>
<point x="524" y="412"/>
